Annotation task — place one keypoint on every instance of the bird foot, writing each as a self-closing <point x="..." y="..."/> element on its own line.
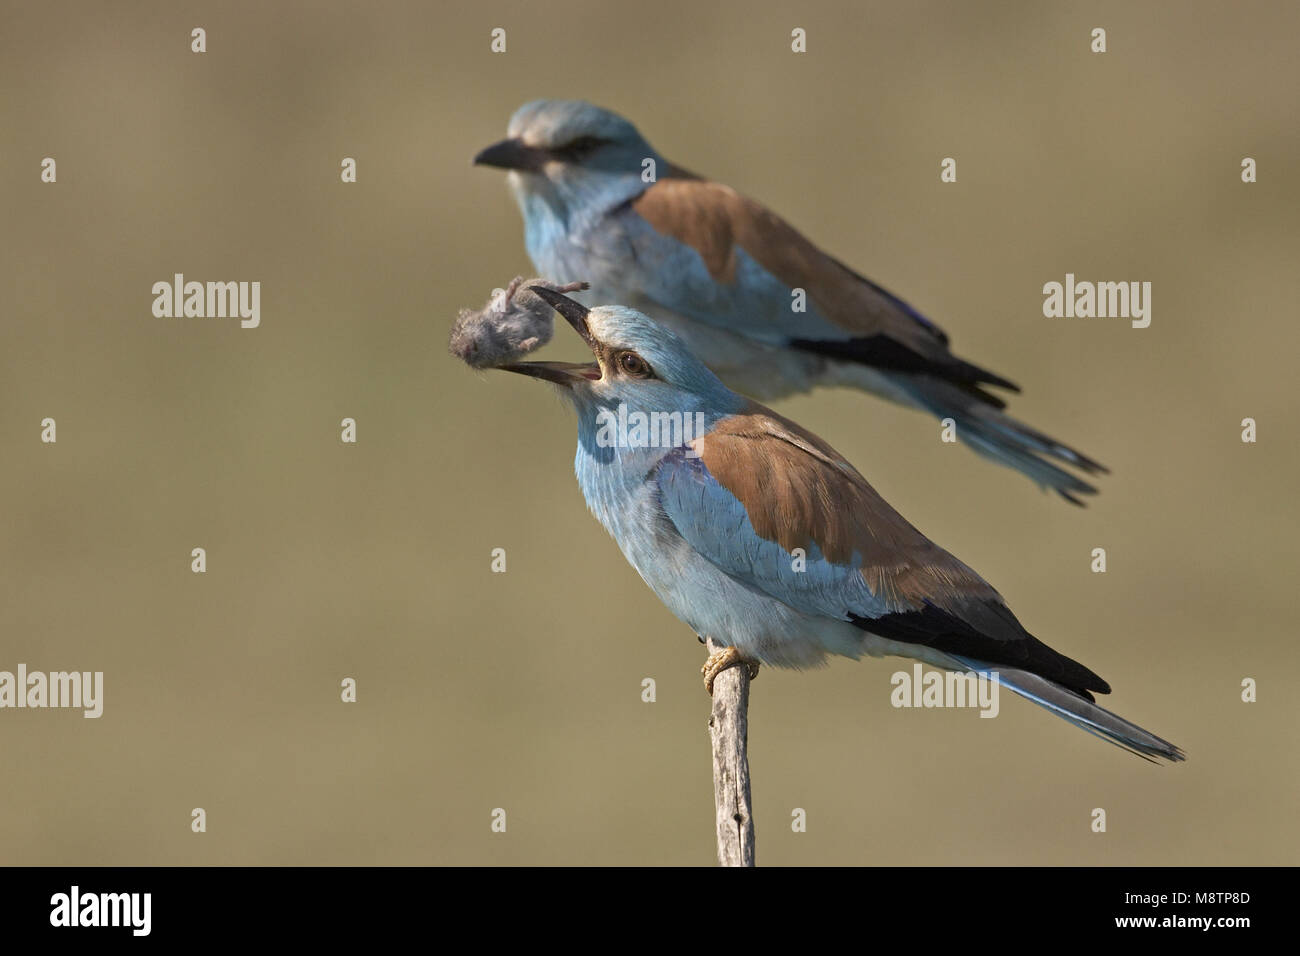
<point x="719" y="662"/>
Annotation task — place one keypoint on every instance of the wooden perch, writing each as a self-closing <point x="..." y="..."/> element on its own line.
<point x="729" y="730"/>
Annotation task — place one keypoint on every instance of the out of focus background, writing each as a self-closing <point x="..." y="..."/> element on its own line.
<point x="523" y="690"/>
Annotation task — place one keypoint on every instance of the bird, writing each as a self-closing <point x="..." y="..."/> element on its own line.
<point x="768" y="311"/>
<point x="713" y="506"/>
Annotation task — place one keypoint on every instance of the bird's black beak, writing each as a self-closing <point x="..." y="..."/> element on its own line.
<point x="513" y="154"/>
<point x="558" y="373"/>
<point x="563" y="373"/>
<point x="574" y="312"/>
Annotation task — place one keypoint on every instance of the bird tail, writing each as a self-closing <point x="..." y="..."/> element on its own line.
<point x="989" y="432"/>
<point x="1078" y="710"/>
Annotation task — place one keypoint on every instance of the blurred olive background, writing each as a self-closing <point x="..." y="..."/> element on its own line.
<point x="523" y="690"/>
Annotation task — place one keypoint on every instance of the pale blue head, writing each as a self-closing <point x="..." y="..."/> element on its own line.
<point x="568" y="158"/>
<point x="638" y="364"/>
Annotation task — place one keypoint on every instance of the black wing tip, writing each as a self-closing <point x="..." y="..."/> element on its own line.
<point x="881" y="351"/>
<point x="988" y="631"/>
<point x="982" y="376"/>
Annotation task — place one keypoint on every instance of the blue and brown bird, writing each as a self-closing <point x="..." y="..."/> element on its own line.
<point x="769" y="312"/>
<point x="760" y="536"/>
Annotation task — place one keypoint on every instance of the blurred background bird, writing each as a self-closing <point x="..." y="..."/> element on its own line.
<point x="760" y="536"/>
<point x="762" y="306"/>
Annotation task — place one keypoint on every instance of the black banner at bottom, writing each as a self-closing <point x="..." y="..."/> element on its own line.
<point x="94" y="905"/>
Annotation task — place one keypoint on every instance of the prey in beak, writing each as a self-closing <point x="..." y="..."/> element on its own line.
<point x="563" y="373"/>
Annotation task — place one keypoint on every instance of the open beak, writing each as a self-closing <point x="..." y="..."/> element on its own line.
<point x="559" y="373"/>
<point x="563" y="373"/>
<point x="513" y="154"/>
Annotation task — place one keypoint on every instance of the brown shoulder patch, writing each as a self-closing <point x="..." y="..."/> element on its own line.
<point x="693" y="212"/>
<point x="798" y="491"/>
<point x="715" y="220"/>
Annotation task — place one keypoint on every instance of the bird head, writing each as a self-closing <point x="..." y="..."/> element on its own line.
<point x="638" y="363"/>
<point x="571" y="155"/>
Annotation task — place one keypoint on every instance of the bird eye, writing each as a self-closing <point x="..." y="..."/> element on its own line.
<point x="581" y="146"/>
<point x="632" y="364"/>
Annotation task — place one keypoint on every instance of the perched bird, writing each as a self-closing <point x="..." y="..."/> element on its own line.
<point x="713" y="505"/>
<point x="727" y="275"/>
